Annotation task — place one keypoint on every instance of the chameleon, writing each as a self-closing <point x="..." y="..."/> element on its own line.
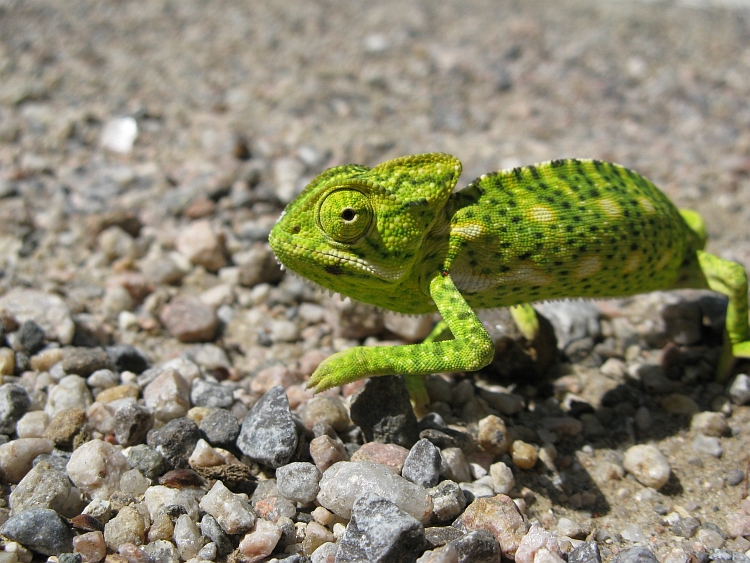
<point x="399" y="237"/>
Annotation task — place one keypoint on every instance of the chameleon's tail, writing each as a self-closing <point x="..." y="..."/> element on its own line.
<point x="697" y="228"/>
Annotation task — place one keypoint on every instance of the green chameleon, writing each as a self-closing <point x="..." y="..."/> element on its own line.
<point x="398" y="237"/>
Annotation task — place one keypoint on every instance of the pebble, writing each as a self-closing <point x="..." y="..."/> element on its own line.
<point x="298" y="482"/>
<point x="231" y="511"/>
<point x="535" y="540"/>
<point x="326" y="409"/>
<point x="686" y="527"/>
<point x="390" y="455"/>
<point x="454" y="465"/>
<point x="343" y="482"/>
<point x="478" y="546"/>
<point x="96" y="468"/>
<point x="17" y="456"/>
<point x="65" y="427"/>
<point x="126" y="527"/>
<point x="739" y="390"/>
<point x="709" y="423"/>
<point x="708" y="445"/>
<point x="571" y="320"/>
<point x="41" y="530"/>
<point x="213" y="395"/>
<point x="48" y="310"/>
<point x="260" y="542"/>
<point x="502" y="478"/>
<point x="7" y="361"/>
<point x="219" y="427"/>
<point x="32" y="337"/>
<point x="90" y="546"/>
<point x="200" y="244"/>
<point x="189" y="319"/>
<point x="524" y="455"/>
<point x="648" y="465"/>
<point x="175" y="441"/>
<point x="325" y="451"/>
<point x="422" y="465"/>
<point x="633" y="533"/>
<point x="500" y="516"/>
<point x="14" y="403"/>
<point x="132" y="423"/>
<point x="146" y="460"/>
<point x="635" y="555"/>
<point x="158" y="496"/>
<point x="211" y="529"/>
<point x="473" y="491"/>
<point x="448" y="501"/>
<point x="257" y="265"/>
<point x="493" y="436"/>
<point x="85" y="361"/>
<point x="586" y="552"/>
<point x="103" y="379"/>
<point x="168" y="395"/>
<point x="679" y="405"/>
<point x="738" y="524"/>
<point x="162" y="551"/>
<point x="566" y="425"/>
<point x="125" y="357"/>
<point x="570" y="528"/>
<point x="117" y="393"/>
<point x="382" y="409"/>
<point x="205" y="456"/>
<point x="71" y="393"/>
<point x="268" y="434"/>
<point x="32" y="425"/>
<point x="380" y="532"/>
<point x="187" y="537"/>
<point x="46" y="487"/>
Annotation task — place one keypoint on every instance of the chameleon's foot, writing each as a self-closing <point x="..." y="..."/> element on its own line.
<point x="729" y="356"/>
<point x="332" y="372"/>
<point x="526" y="320"/>
<point x="418" y="393"/>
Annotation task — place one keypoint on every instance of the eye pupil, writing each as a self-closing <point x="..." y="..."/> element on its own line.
<point x="348" y="214"/>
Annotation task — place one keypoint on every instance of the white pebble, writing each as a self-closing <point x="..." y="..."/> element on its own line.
<point x="187" y="537"/>
<point x="232" y="511"/>
<point x="648" y="465"/>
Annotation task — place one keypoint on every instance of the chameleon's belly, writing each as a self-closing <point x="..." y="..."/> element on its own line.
<point x="575" y="229"/>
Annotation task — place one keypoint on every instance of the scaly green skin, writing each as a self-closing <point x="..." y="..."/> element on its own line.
<point x="396" y="236"/>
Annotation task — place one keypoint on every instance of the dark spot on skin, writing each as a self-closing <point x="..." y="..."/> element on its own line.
<point x="518" y="174"/>
<point x="516" y="219"/>
<point x="534" y="172"/>
<point x="525" y="256"/>
<point x="334" y="270"/>
<point x="557" y="163"/>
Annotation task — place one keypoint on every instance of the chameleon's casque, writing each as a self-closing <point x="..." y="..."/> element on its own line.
<point x="397" y="236"/>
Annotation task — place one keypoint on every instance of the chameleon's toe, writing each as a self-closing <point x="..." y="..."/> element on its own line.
<point x="741" y="349"/>
<point x="729" y="355"/>
<point x="418" y="393"/>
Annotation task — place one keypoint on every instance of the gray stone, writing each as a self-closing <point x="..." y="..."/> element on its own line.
<point x="208" y="394"/>
<point x="32" y="336"/>
<point x="448" y="501"/>
<point x="213" y="531"/>
<point x="479" y="546"/>
<point x="220" y="427"/>
<point x="41" y="530"/>
<point x="587" y="552"/>
<point x="739" y="390"/>
<point x="686" y="527"/>
<point x="422" y="465"/>
<point x="125" y="357"/>
<point x="378" y="532"/>
<point x="441" y="535"/>
<point x="85" y="361"/>
<point x="268" y="434"/>
<point x="147" y="460"/>
<point x="46" y="487"/>
<point x="14" y="402"/>
<point x="298" y="482"/>
<point x="175" y="441"/>
<point x="635" y="555"/>
<point x="132" y="423"/>
<point x="383" y="410"/>
<point x="572" y="320"/>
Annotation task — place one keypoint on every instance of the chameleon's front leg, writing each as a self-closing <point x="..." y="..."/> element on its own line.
<point x="471" y="349"/>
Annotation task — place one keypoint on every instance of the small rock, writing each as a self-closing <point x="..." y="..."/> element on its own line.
<point x="189" y="319"/>
<point x="103" y="379"/>
<point x="231" y="511"/>
<point x="220" y="427"/>
<point x="7" y="361"/>
<point x="709" y="423"/>
<point x="168" y="395"/>
<point x="32" y="336"/>
<point x="175" y="441"/>
<point x="739" y="390"/>
<point x="187" y="537"/>
<point x="41" y="530"/>
<point x="315" y="536"/>
<point x="126" y="527"/>
<point x="633" y="533"/>
<point x="568" y="527"/>
<point x="125" y="357"/>
<point x="298" y="482"/>
<point x="635" y="555"/>
<point x="202" y="246"/>
<point x="132" y="423"/>
<point x="390" y="455"/>
<point x="157" y="497"/>
<point x="91" y="546"/>
<point x="49" y="311"/>
<point x="422" y="466"/>
<point x="14" y="403"/>
<point x="162" y="551"/>
<point x="17" y="456"/>
<point x="259" y="543"/>
<point x="268" y="434"/>
<point x="493" y="436"/>
<point x="500" y="516"/>
<point x="85" y="361"/>
<point x="683" y="322"/>
<point x="473" y="491"/>
<point x="119" y="134"/>
<point x="502" y="478"/>
<point x="325" y="451"/>
<point x="325" y="409"/>
<point x="479" y="546"/>
<point x="448" y="501"/>
<point x="679" y="405"/>
<point x="379" y="531"/>
<point x="33" y="424"/>
<point x="686" y="527"/>
<point x="96" y="468"/>
<point x="535" y="540"/>
<point x="133" y="483"/>
<point x="454" y="465"/>
<point x="648" y="465"/>
<point x="205" y="456"/>
<point x="117" y="393"/>
<point x="524" y="455"/>
<point x="738" y="524"/>
<point x="709" y="445"/>
<point x="65" y="426"/>
<point x="146" y="460"/>
<point x="46" y="487"/>
<point x="257" y="265"/>
<point x="71" y="393"/>
<point x="344" y="482"/>
<point x="563" y="425"/>
<point x="213" y="395"/>
<point x="211" y="529"/>
<point x="383" y="410"/>
<point x="587" y="552"/>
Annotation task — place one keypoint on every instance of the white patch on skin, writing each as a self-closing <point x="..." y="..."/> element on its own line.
<point x="632" y="263"/>
<point x="525" y="274"/>
<point x="646" y="204"/>
<point x="610" y="207"/>
<point x="468" y="231"/>
<point x="664" y="260"/>
<point x="542" y="214"/>
<point x="587" y="266"/>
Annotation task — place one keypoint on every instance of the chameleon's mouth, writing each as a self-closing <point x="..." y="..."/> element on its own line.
<point x="295" y="255"/>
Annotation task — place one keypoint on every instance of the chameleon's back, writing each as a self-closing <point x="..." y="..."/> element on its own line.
<point x="566" y="228"/>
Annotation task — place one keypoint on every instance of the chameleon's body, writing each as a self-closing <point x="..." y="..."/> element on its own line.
<point x="397" y="236"/>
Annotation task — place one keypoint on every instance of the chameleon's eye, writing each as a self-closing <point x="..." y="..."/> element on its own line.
<point x="345" y="215"/>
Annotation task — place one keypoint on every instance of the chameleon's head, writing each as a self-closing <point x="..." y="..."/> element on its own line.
<point x="358" y="230"/>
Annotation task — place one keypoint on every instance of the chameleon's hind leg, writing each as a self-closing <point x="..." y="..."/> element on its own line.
<point x="415" y="383"/>
<point x="730" y="279"/>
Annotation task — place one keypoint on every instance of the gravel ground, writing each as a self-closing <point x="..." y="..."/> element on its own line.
<point x="147" y="337"/>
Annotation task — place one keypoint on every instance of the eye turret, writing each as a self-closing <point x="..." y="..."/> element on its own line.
<point x="345" y="215"/>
